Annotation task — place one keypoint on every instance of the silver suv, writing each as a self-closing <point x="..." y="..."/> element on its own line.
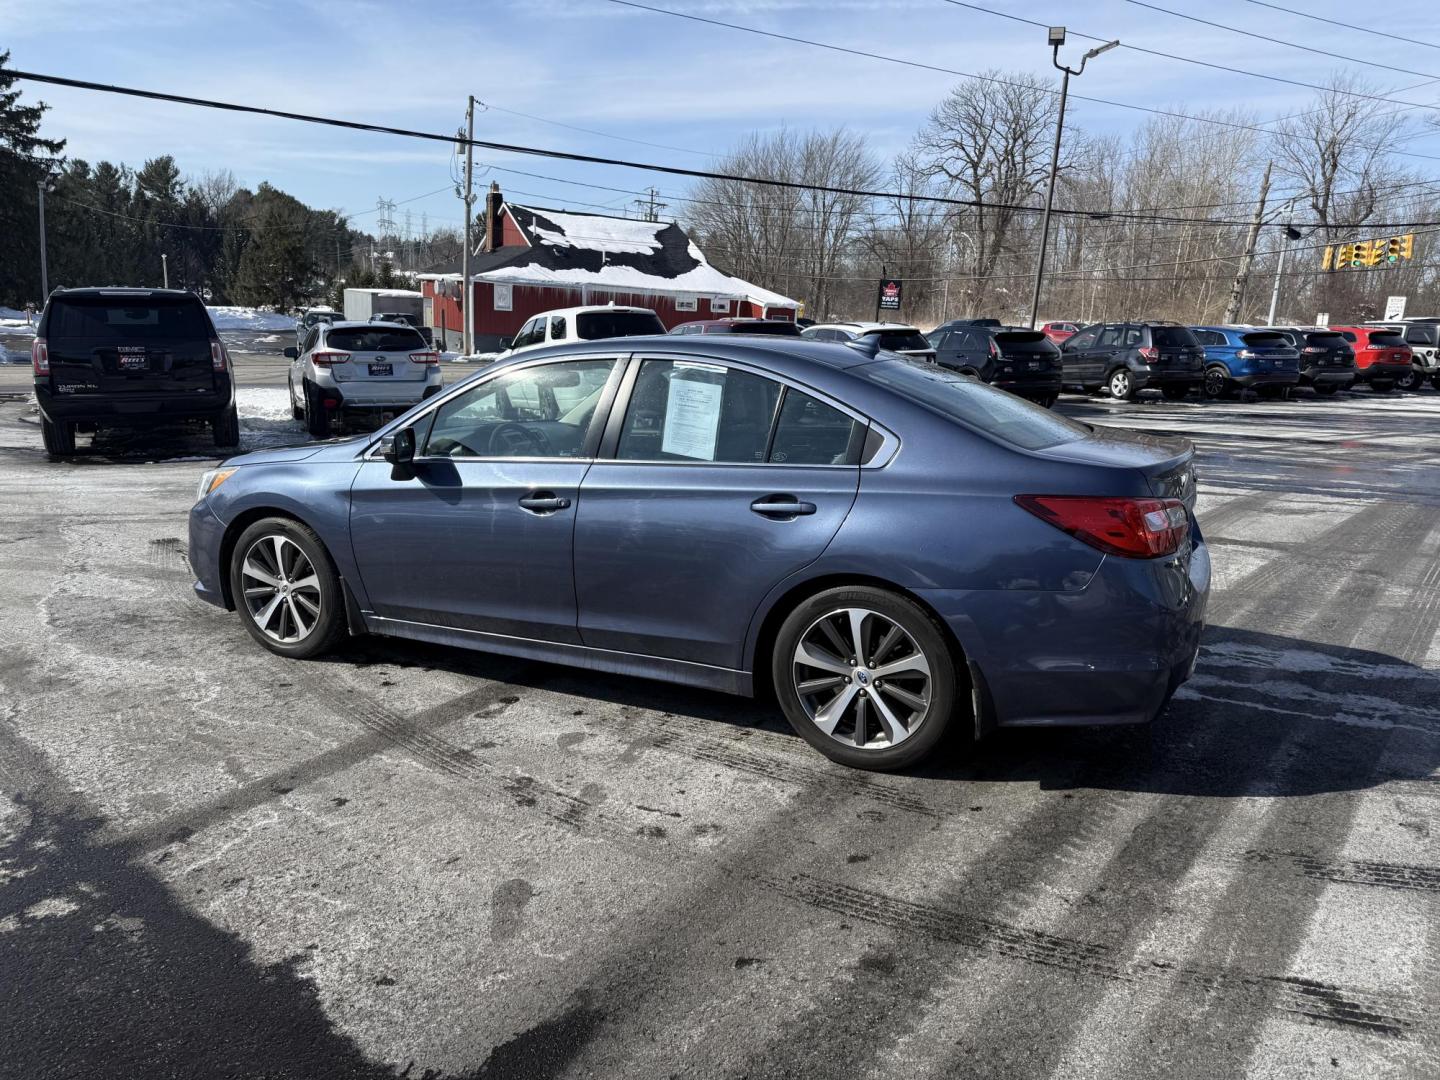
<point x="348" y="369"/>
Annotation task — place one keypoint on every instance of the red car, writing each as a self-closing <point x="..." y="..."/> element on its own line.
<point x="1381" y="356"/>
<point x="1058" y="332"/>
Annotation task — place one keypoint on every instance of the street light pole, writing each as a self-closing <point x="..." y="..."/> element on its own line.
<point x="467" y="331"/>
<point x="165" y="269"/>
<point x="1290" y="234"/>
<point x="44" y="267"/>
<point x="1057" y="38"/>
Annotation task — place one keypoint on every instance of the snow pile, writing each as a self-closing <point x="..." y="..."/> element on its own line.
<point x="616" y="235"/>
<point x="16" y="322"/>
<point x="702" y="280"/>
<point x="264" y="404"/>
<point x="248" y="318"/>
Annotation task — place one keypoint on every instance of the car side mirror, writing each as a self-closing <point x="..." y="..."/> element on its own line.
<point x="401" y="451"/>
<point x="292" y="353"/>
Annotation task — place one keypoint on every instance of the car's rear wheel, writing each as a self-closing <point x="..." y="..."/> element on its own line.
<point x="1382" y="386"/>
<point x="1045" y="401"/>
<point x="1411" y="380"/>
<point x="58" y="436"/>
<point x="1435" y="381"/>
<point x="1175" y="393"/>
<point x="1326" y="388"/>
<point x="317" y="420"/>
<point x="286" y="588"/>
<point x="1217" y="383"/>
<point x="1274" y="393"/>
<point x="1121" y="384"/>
<point x="226" y="428"/>
<point x="865" y="676"/>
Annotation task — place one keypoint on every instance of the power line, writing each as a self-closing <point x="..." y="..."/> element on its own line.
<point x="1345" y="25"/>
<point x="488" y="107"/>
<point x="675" y="170"/>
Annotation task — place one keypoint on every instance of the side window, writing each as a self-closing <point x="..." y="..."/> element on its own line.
<point x="683" y="411"/>
<point x="532" y="332"/>
<point x="1110" y="337"/>
<point x="542" y="411"/>
<point x="557" y="328"/>
<point x="1134" y="336"/>
<point x="1209" y="337"/>
<point x="809" y="432"/>
<point x="1085" y="339"/>
<point x="310" y="336"/>
<point x="1420" y="335"/>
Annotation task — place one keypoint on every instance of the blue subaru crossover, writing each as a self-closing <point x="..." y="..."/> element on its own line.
<point x="1243" y="357"/>
<point x="891" y="548"/>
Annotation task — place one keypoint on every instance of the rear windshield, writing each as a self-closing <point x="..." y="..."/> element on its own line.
<point x="380" y="338"/>
<point x="593" y="325"/>
<point x="1267" y="339"/>
<point x="973" y="404"/>
<point x="895" y="341"/>
<point x="114" y="318"/>
<point x="779" y="329"/>
<point x="1172" y="337"/>
<point x="1386" y="338"/>
<point x="1327" y="340"/>
<point x="1024" y="341"/>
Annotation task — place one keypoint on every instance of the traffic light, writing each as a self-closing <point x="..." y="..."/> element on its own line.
<point x="1343" y="254"/>
<point x="1407" y="246"/>
<point x="1327" y="259"/>
<point x="1375" y="255"/>
<point x="1360" y="253"/>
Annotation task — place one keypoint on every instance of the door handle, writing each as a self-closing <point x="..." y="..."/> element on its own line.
<point x="544" y="502"/>
<point x="782" y="506"/>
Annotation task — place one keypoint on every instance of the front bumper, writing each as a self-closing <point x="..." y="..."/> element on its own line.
<point x="1112" y="653"/>
<point x="207" y="532"/>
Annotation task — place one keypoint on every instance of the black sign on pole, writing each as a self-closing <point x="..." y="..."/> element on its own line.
<point x="889" y="298"/>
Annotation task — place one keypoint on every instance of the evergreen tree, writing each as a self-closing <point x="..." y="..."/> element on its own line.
<point x="25" y="160"/>
<point x="276" y="269"/>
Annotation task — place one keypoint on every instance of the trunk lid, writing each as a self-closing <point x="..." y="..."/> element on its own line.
<point x="379" y="353"/>
<point x="137" y="343"/>
<point x="1167" y="463"/>
<point x="1022" y="351"/>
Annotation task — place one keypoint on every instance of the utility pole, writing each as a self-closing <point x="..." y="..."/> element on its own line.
<point x="164" y="270"/>
<point x="649" y="208"/>
<point x="467" y="334"/>
<point x="1242" y="275"/>
<point x="1056" y="39"/>
<point x="1290" y="234"/>
<point x="44" y="268"/>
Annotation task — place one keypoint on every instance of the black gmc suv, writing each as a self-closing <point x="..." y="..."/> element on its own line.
<point x="129" y="358"/>
<point x="1014" y="358"/>
<point x="1125" y="358"/>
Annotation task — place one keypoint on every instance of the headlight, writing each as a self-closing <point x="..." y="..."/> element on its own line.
<point x="212" y="479"/>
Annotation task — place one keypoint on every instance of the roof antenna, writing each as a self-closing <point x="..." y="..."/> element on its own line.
<point x="869" y="344"/>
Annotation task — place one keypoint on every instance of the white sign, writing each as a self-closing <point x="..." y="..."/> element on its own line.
<point x="1323" y="319"/>
<point x="687" y="303"/>
<point x="692" y="418"/>
<point x="504" y="297"/>
<point x="719" y="304"/>
<point x="1394" y="307"/>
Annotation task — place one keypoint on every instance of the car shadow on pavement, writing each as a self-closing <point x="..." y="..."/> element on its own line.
<point x="1313" y="707"/>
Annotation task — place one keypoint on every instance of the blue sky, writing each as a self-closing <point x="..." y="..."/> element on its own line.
<point x="649" y="77"/>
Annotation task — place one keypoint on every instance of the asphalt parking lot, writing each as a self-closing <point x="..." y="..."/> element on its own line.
<point x="410" y="861"/>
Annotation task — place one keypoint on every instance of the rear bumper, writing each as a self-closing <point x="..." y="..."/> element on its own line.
<point x="1253" y="379"/>
<point x="133" y="408"/>
<point x="355" y="398"/>
<point x="1382" y="373"/>
<point x="1029" y="385"/>
<point x="1324" y="376"/>
<point x="1113" y="653"/>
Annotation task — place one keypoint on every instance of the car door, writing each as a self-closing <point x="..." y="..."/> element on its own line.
<point x="478" y="534"/>
<point x="1075" y="355"/>
<point x="1099" y="359"/>
<point x="715" y="482"/>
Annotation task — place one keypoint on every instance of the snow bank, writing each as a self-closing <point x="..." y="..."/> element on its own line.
<point x="247" y="318"/>
<point x="15" y="322"/>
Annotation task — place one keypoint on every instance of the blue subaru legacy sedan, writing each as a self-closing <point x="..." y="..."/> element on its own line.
<point x="893" y="549"/>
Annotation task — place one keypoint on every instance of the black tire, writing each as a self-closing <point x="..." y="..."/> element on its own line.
<point x="329" y="625"/>
<point x="317" y="420"/>
<point x="1411" y="381"/>
<point x="226" y="429"/>
<point x="1217" y="383"/>
<point x="1381" y="386"/>
<point x="1274" y="393"/>
<point x="1045" y="401"/>
<point x="296" y="411"/>
<point x="1435" y="381"/>
<point x="1327" y="389"/>
<point x="1175" y="393"/>
<point x="58" y="436"/>
<point x="1121" y="384"/>
<point x="927" y="727"/>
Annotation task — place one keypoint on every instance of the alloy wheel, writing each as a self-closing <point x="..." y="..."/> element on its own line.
<point x="862" y="679"/>
<point x="1214" y="383"/>
<point x="1120" y="384"/>
<point x="282" y="590"/>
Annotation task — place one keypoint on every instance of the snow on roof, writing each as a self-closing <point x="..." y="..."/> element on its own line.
<point x="414" y="293"/>
<point x="704" y="280"/>
<point x="594" y="232"/>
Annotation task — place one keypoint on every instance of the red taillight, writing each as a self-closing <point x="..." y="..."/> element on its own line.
<point x="330" y="357"/>
<point x="40" y="356"/>
<point x="431" y="358"/>
<point x="218" y="358"/>
<point x="994" y="349"/>
<point x="1150" y="354"/>
<point x="1134" y="528"/>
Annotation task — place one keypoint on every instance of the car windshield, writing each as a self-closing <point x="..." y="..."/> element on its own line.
<point x="1173" y="337"/>
<point x="593" y="325"/>
<point x="973" y="404"/>
<point x="120" y="319"/>
<point x="898" y="340"/>
<point x="374" y="339"/>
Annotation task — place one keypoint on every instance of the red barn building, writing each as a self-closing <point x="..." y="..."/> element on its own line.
<point x="535" y="260"/>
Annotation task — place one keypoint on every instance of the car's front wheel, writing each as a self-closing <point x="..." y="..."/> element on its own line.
<point x="286" y="588"/>
<point x="865" y="676"/>
<point x="297" y="411"/>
